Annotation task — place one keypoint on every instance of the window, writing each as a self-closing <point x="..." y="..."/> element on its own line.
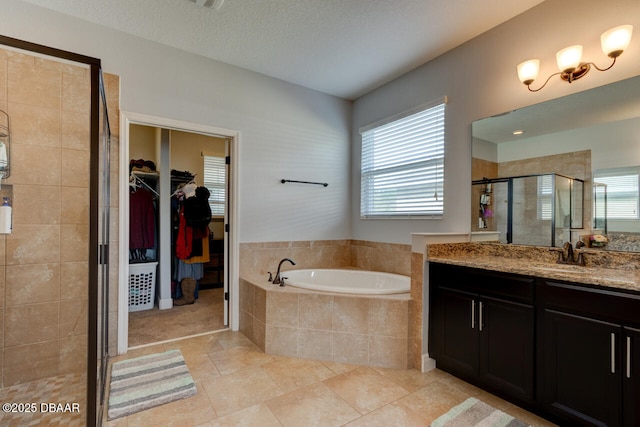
<point x="545" y="196"/>
<point x="622" y="192"/>
<point x="214" y="180"/>
<point x="402" y="170"/>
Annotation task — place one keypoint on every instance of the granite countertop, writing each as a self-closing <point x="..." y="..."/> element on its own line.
<point x="608" y="269"/>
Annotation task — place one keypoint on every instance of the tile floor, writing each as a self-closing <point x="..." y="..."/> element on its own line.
<point x="156" y="325"/>
<point x="239" y="385"/>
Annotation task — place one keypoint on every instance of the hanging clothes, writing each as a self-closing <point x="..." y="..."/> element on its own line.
<point x="142" y="220"/>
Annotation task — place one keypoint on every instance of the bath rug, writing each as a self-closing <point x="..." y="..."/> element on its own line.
<point x="148" y="381"/>
<point x="473" y="412"/>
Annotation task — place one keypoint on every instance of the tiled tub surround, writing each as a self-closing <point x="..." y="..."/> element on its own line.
<point x="602" y="267"/>
<point x="256" y="259"/>
<point x="354" y="329"/>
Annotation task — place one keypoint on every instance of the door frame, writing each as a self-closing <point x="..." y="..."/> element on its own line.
<point x="127" y="119"/>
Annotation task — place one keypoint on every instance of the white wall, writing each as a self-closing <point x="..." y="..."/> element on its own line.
<point x="480" y="80"/>
<point x="286" y="131"/>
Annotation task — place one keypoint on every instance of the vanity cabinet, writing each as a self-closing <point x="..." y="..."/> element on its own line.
<point x="567" y="350"/>
<point x="483" y="328"/>
<point x="590" y="368"/>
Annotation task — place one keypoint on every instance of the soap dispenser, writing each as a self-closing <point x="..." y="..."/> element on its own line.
<point x="5" y="216"/>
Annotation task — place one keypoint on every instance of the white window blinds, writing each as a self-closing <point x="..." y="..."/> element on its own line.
<point x="402" y="171"/>
<point x="214" y="180"/>
<point x="622" y="192"/>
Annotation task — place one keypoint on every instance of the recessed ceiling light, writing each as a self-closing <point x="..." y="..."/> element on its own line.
<point x="518" y="132"/>
<point x="212" y="4"/>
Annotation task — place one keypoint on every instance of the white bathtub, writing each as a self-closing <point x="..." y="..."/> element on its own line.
<point x="348" y="281"/>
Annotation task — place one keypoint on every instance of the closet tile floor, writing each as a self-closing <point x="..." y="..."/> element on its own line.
<point x="151" y="326"/>
<point x="239" y="385"/>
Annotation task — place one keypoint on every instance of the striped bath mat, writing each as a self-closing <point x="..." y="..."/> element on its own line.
<point x="473" y="412"/>
<point x="148" y="381"/>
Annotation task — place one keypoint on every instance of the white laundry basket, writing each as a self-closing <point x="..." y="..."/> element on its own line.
<point x="142" y="286"/>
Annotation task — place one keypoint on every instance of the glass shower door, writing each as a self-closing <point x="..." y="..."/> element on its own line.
<point x="104" y="203"/>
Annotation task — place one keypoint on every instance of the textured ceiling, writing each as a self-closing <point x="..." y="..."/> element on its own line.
<point x="340" y="47"/>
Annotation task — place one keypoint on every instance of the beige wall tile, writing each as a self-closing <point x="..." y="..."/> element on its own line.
<point x="37" y="83"/>
<point x="34" y="283"/>
<point x="26" y="159"/>
<point x="33" y="204"/>
<point x="31" y="362"/>
<point x="76" y="91"/>
<point x="75" y="168"/>
<point x="35" y="125"/>
<point x="388" y="318"/>
<point x="73" y="318"/>
<point x="73" y="354"/>
<point x="74" y="242"/>
<point x="282" y="309"/>
<point x="75" y="130"/>
<point x="350" y="348"/>
<point x="74" y="208"/>
<point x="33" y="244"/>
<point x="282" y="340"/>
<point x="74" y="280"/>
<point x="315" y="345"/>
<point x="388" y="352"/>
<point x="351" y="315"/>
<point x="260" y="304"/>
<point x="27" y="324"/>
<point x="315" y="311"/>
<point x="3" y="79"/>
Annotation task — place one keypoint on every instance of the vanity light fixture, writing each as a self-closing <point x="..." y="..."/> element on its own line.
<point x="613" y="42"/>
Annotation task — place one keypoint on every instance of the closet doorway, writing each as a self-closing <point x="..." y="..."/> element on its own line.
<point x="169" y="169"/>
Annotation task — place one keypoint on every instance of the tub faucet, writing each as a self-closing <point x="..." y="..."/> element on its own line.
<point x="278" y="280"/>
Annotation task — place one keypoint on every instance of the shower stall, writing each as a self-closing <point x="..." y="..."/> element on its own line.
<point x="56" y="265"/>
<point x="538" y="210"/>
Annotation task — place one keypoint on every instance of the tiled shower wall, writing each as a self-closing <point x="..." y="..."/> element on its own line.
<point x="44" y="262"/>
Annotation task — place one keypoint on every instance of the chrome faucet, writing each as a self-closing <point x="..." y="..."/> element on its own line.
<point x="278" y="280"/>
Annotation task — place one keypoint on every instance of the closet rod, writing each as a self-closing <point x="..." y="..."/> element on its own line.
<point x="141" y="181"/>
<point x="324" y="184"/>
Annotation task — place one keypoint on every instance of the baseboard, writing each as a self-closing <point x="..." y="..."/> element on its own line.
<point x="428" y="363"/>
<point x="165" y="304"/>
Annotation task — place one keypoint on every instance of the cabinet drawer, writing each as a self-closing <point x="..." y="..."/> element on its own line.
<point x="499" y="285"/>
<point x="604" y="304"/>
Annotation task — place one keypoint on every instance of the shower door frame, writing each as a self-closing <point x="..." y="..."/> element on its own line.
<point x="97" y="262"/>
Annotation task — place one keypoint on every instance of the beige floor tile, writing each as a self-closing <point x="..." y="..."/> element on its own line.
<point x="292" y="373"/>
<point x="239" y="390"/>
<point x="411" y="379"/>
<point x="234" y="359"/>
<point x="393" y="414"/>
<point x="257" y="415"/>
<point x="314" y="405"/>
<point x="365" y="389"/>
<point x="434" y="400"/>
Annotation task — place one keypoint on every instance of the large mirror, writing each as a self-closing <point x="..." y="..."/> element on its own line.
<point x="593" y="136"/>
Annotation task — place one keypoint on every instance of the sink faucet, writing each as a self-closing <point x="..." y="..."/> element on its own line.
<point x="566" y="254"/>
<point x="278" y="280"/>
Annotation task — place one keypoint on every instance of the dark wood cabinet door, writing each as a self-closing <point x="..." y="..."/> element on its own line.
<point x="456" y="335"/>
<point x="631" y="376"/>
<point x="582" y="380"/>
<point x="507" y="346"/>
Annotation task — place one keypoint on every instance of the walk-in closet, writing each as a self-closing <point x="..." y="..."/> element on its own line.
<point x="177" y="205"/>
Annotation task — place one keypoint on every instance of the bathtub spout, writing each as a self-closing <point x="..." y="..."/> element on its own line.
<point x="278" y="280"/>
